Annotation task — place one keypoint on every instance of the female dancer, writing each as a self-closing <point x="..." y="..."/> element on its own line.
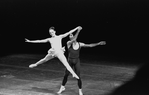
<point x="56" y="49"/>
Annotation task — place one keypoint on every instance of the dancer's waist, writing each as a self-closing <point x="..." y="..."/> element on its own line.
<point x="73" y="57"/>
<point x="57" y="49"/>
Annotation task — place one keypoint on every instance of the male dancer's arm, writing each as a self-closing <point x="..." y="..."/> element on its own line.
<point x="37" y="41"/>
<point x="93" y="44"/>
<point x="71" y="31"/>
<point x="73" y="39"/>
<point x="76" y="35"/>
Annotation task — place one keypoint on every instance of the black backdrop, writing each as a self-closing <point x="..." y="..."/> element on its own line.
<point x="123" y="24"/>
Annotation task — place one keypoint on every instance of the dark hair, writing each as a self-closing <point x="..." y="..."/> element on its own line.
<point x="53" y="28"/>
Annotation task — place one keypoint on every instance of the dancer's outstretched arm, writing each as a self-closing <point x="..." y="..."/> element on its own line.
<point x="37" y="41"/>
<point x="71" y="31"/>
<point x="93" y="44"/>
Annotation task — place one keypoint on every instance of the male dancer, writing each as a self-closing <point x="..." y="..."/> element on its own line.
<point x="56" y="49"/>
<point x="73" y="59"/>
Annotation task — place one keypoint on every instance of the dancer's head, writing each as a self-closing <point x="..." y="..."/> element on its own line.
<point x="52" y="31"/>
<point x="70" y="36"/>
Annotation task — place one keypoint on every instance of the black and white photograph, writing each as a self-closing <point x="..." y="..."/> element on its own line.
<point x="74" y="47"/>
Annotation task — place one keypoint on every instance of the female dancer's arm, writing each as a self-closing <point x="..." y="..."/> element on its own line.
<point x="71" y="31"/>
<point x="37" y="41"/>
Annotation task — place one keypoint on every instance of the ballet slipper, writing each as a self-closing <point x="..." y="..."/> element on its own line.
<point x="32" y="65"/>
<point x="74" y="75"/>
<point x="61" y="90"/>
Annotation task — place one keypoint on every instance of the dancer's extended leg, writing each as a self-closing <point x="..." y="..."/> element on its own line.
<point x="63" y="59"/>
<point x="45" y="59"/>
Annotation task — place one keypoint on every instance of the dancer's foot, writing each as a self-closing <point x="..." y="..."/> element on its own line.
<point x="80" y="92"/>
<point x="32" y="65"/>
<point x="74" y="75"/>
<point x="61" y="90"/>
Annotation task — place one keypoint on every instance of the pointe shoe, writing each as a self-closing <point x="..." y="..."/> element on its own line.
<point x="32" y="65"/>
<point x="61" y="90"/>
<point x="74" y="75"/>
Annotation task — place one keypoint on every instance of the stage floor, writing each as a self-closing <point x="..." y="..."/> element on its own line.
<point x="45" y="79"/>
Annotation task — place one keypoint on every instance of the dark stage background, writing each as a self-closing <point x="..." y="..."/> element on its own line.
<point x="123" y="24"/>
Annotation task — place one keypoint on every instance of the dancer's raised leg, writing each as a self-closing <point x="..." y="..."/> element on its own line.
<point x="63" y="59"/>
<point x="45" y="59"/>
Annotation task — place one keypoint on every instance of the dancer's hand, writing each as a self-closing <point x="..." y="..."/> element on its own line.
<point x="32" y="65"/>
<point x="79" y="27"/>
<point x="26" y="40"/>
<point x="102" y="43"/>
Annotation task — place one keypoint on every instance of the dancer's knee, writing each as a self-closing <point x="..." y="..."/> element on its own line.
<point x="66" y="75"/>
<point x="78" y="73"/>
